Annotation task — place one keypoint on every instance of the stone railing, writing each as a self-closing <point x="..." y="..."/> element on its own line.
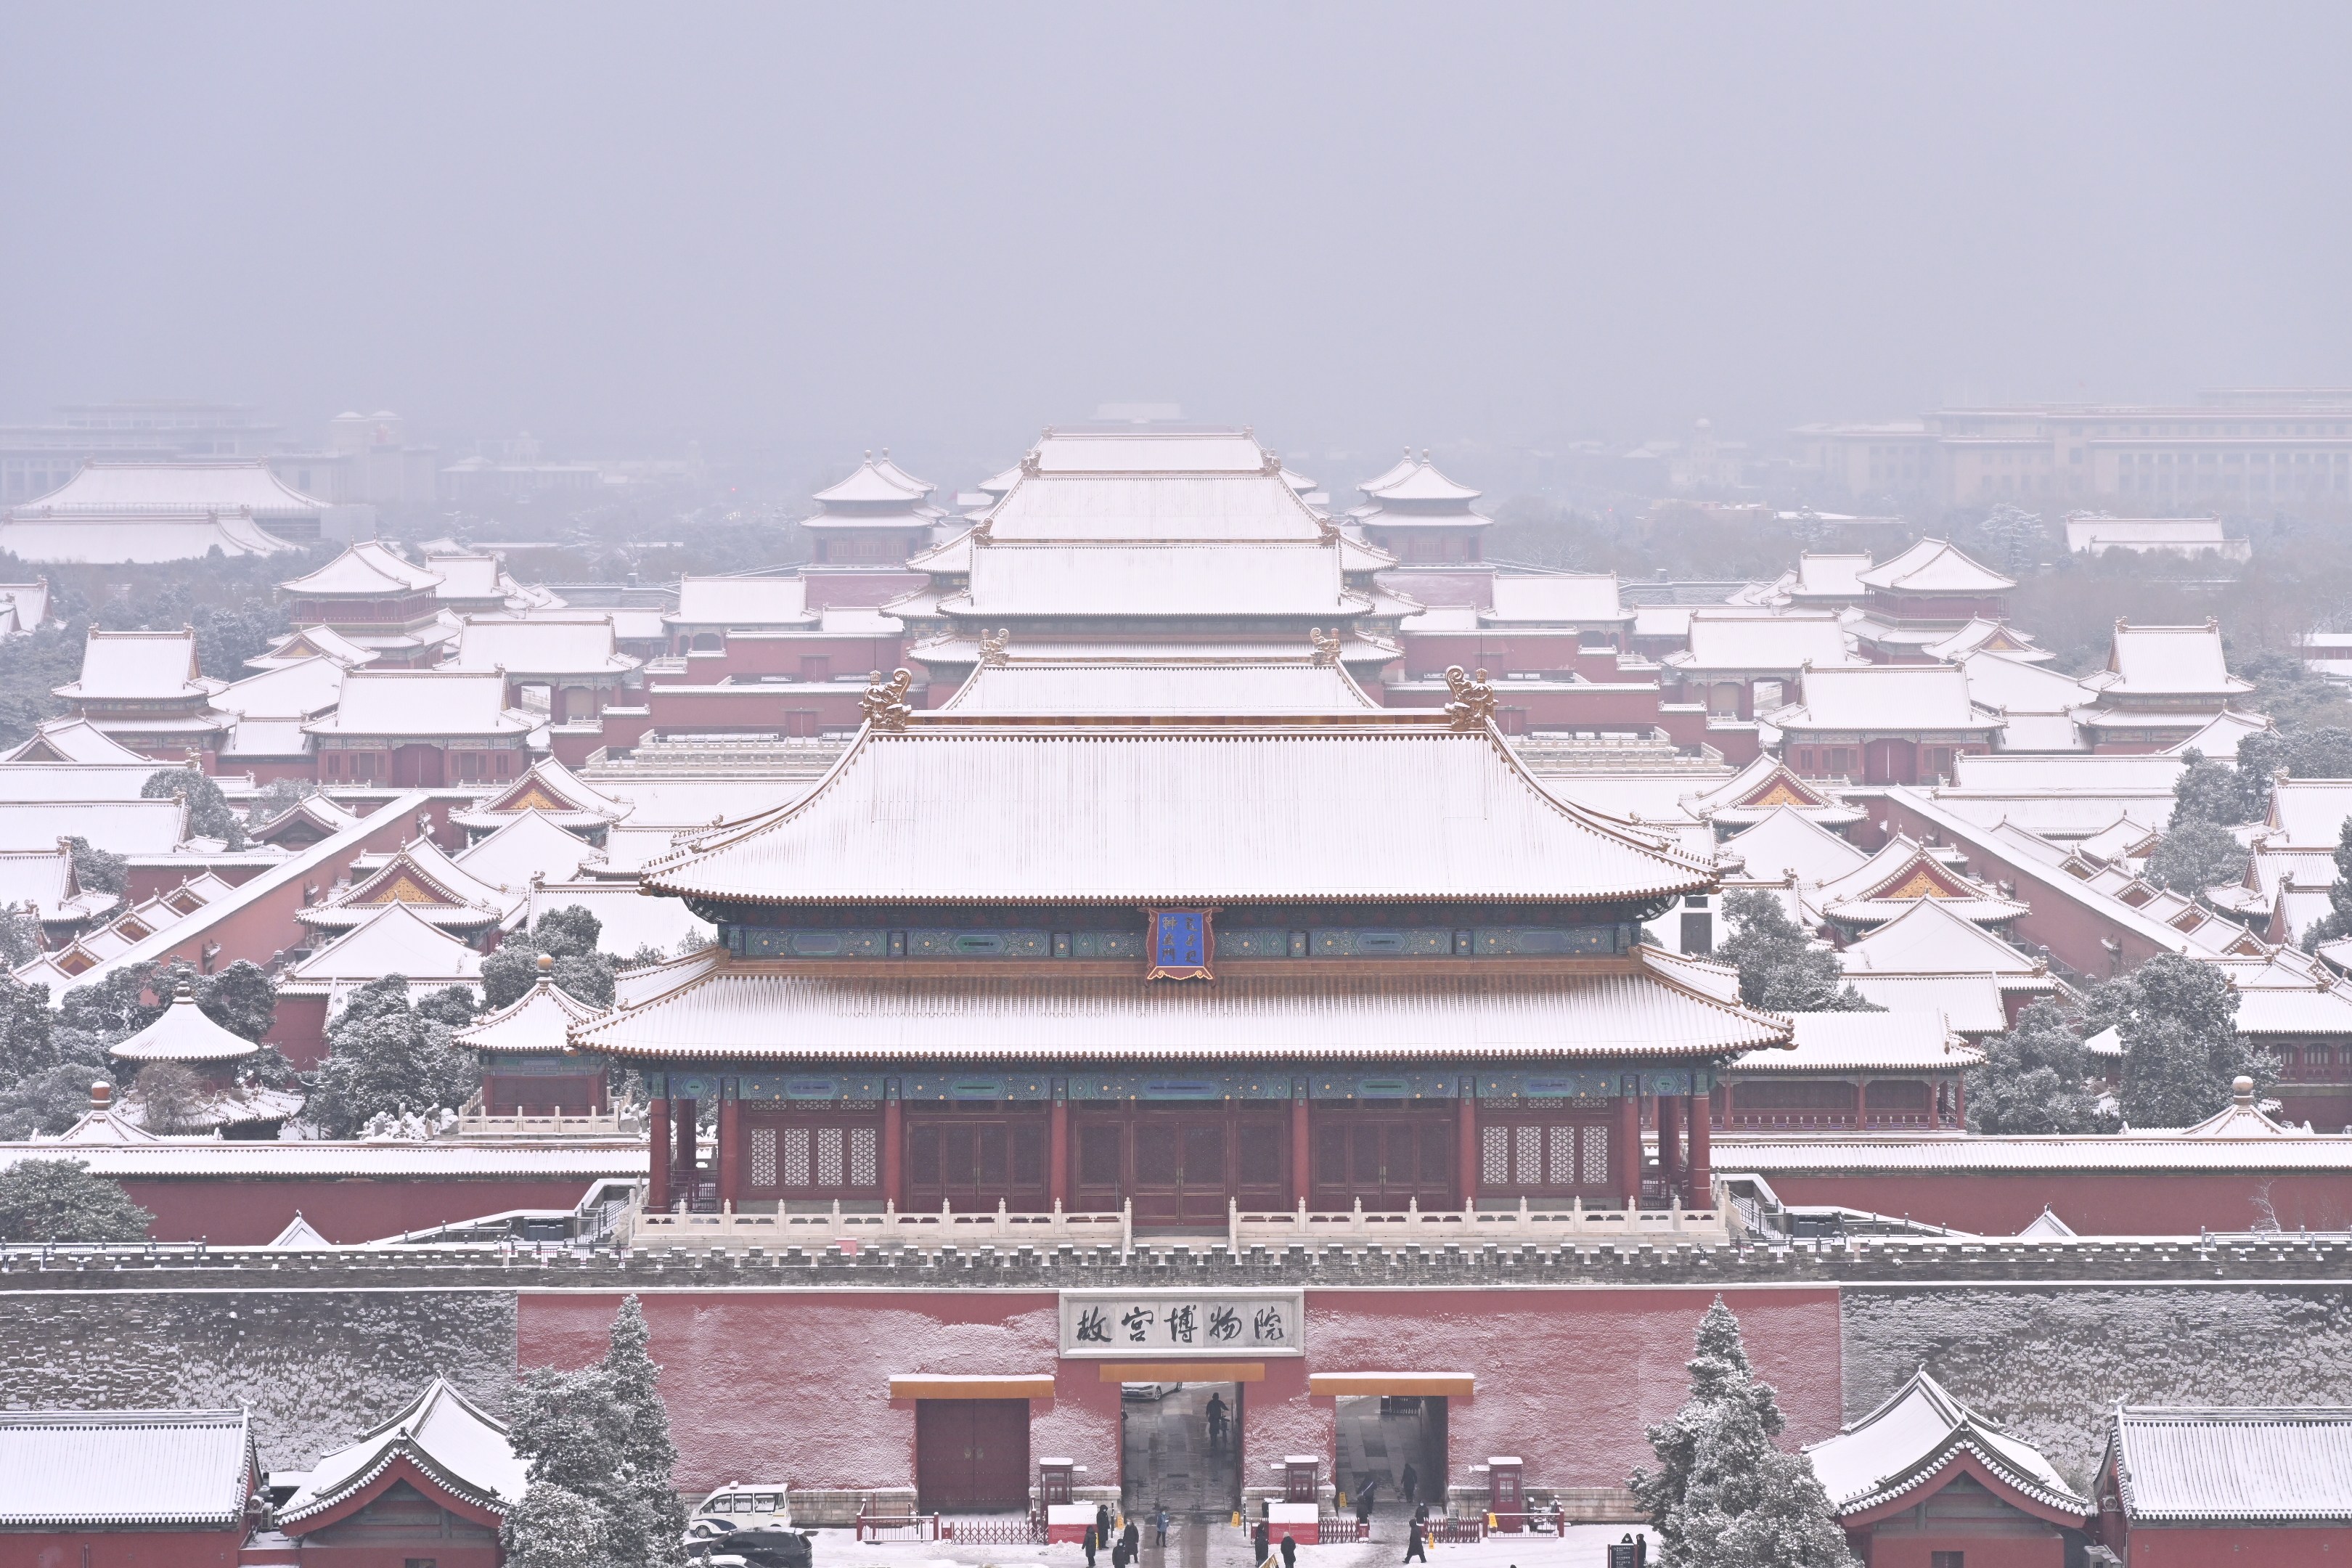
<point x="889" y="1228"/>
<point x="1543" y="1224"/>
<point x="474" y="1121"/>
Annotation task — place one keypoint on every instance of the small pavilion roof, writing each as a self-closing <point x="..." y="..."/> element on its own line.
<point x="875" y="480"/>
<point x="125" y="1470"/>
<point x="183" y="1034"/>
<point x="980" y="810"/>
<point x="1930" y="938"/>
<point x="394" y="703"/>
<point x="139" y="666"/>
<point x="1895" y="1455"/>
<point x="538" y="1023"/>
<point x="370" y="569"/>
<point x="554" y="790"/>
<point x="2215" y="1464"/>
<point x="441" y="1441"/>
<point x="1412" y="480"/>
<point x="1763" y="786"/>
<point x="1935" y="567"/>
<point x="314" y="642"/>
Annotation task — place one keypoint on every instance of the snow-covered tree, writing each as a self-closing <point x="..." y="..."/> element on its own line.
<point x="209" y="815"/>
<point x="598" y="1435"/>
<point x="2179" y="1022"/>
<point x="2338" y="920"/>
<point x="2195" y="856"/>
<point x="59" y="1200"/>
<point x="2014" y="536"/>
<point x="385" y="1056"/>
<point x="1782" y="968"/>
<point x="2035" y="1079"/>
<point x="1724" y="1495"/>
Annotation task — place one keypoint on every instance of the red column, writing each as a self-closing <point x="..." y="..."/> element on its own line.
<point x="1701" y="1175"/>
<point x="657" y="1157"/>
<point x="1670" y="1141"/>
<point x="1058" y="1152"/>
<point x="684" y="1115"/>
<point x="1302" y="1156"/>
<point x="894" y="1150"/>
<point x="1629" y="1149"/>
<point x="1861" y="1105"/>
<point x="730" y="1153"/>
<point x="1467" y="1156"/>
<point x="1960" y="1099"/>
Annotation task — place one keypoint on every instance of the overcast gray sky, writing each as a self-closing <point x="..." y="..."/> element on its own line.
<point x="943" y="226"/>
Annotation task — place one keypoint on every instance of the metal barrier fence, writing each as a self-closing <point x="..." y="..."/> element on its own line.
<point x="898" y="1527"/>
<point x="995" y="1530"/>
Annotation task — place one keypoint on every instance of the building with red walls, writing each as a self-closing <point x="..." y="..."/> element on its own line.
<point x="2184" y="1486"/>
<point x="431" y="1484"/>
<point x="423" y="728"/>
<point x="1923" y="597"/>
<point x="126" y="1489"/>
<point x="1923" y="1481"/>
<point x="146" y="691"/>
<point x="1883" y="724"/>
<point x="373" y="600"/>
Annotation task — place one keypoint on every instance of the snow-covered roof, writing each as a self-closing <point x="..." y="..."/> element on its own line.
<point x="2092" y="530"/>
<point x="536" y="1023"/>
<point x="296" y="690"/>
<point x="1885" y="698"/>
<point x="422" y="877"/>
<point x="143" y="541"/>
<point x="1970" y="1004"/>
<point x="2309" y="813"/>
<point x="137" y="666"/>
<point x="88" y="782"/>
<point x="440" y="1437"/>
<point x="984" y="815"/>
<point x="1148" y="451"/>
<point x="1188" y="580"/>
<point x="578" y="643"/>
<point x="1205" y="508"/>
<point x="394" y="703"/>
<point x="1411" y="480"/>
<point x="393" y="939"/>
<point x="72" y="741"/>
<point x="124" y="1470"/>
<point x="2196" y="1464"/>
<point x="550" y="789"/>
<point x="1199" y="688"/>
<point x="121" y="826"/>
<point x="743" y="603"/>
<point x="130" y="490"/>
<point x="183" y="1034"/>
<point x="731" y="1009"/>
<point x="299" y="1236"/>
<point x="2003" y="680"/>
<point x="2222" y="733"/>
<point x="1902" y="872"/>
<point x="532" y="843"/>
<point x="42" y="881"/>
<point x="368" y="569"/>
<point x="2167" y="661"/>
<point x="1556" y="599"/>
<point x="1931" y="938"/>
<point x="1898" y="1451"/>
<point x="1828" y="575"/>
<point x="1787" y="841"/>
<point x="1728" y="639"/>
<point x="1866" y="1042"/>
<point x="1996" y="636"/>
<point x="314" y="642"/>
<point x="1934" y="566"/>
<point x="628" y="920"/>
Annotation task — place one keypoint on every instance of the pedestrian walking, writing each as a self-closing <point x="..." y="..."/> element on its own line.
<point x="1289" y="1551"/>
<point x="1102" y="1525"/>
<point x="1159" y="1525"/>
<point x="1132" y="1538"/>
<point x="1090" y="1544"/>
<point x="1118" y="1555"/>
<point x="1416" y="1545"/>
<point x="1364" y="1501"/>
<point x="1216" y="1421"/>
<point x="1261" y="1542"/>
<point x="1410" y="1482"/>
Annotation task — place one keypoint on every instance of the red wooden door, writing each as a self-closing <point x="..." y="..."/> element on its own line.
<point x="972" y="1454"/>
<point x="1385" y="1161"/>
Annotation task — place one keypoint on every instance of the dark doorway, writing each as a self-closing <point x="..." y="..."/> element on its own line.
<point x="1381" y="1437"/>
<point x="1385" y="1159"/>
<point x="1168" y="1456"/>
<point x="417" y="767"/>
<point x="1181" y="1167"/>
<point x="972" y="1454"/>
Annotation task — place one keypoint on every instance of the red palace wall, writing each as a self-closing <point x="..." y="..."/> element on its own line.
<point x="2093" y="1204"/>
<point x="241" y="1212"/>
<point x="2255" y="1546"/>
<point x="795" y="1385"/>
<point x="121" y="1549"/>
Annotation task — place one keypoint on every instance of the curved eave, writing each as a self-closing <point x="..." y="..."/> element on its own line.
<point x="455" y="1493"/>
<point x="1893" y="1495"/>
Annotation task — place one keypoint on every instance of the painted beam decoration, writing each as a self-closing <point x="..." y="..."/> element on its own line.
<point x="1181" y="943"/>
<point x="1210" y="1322"/>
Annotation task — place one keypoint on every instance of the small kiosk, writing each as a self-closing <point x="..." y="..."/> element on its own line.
<point x="1066" y="1521"/>
<point x="1299" y="1514"/>
<point x="1506" y="1500"/>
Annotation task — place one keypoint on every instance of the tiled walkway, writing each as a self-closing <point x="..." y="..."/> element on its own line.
<point x="1169" y="1462"/>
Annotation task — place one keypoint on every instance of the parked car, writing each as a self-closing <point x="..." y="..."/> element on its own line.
<point x="747" y="1525"/>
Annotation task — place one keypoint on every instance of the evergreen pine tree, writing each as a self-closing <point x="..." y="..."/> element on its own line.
<point x="1723" y="1495"/>
<point x="2035" y="1079"/>
<point x="2338" y="920"/>
<point x="2179" y="1022"/>
<point x="646" y="1516"/>
<point x="1782" y="968"/>
<point x="598" y="1440"/>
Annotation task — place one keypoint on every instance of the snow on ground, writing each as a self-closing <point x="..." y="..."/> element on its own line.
<point x="1223" y="1546"/>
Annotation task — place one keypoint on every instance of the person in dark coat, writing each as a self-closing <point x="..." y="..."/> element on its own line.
<point x="1364" y="1501"/>
<point x="1416" y="1546"/>
<point x="1289" y="1551"/>
<point x="1102" y="1525"/>
<point x="1090" y="1545"/>
<point x="1160" y="1524"/>
<point x="1262" y="1540"/>
<point x="1132" y="1538"/>
<point x="1118" y="1555"/>
<point x="1410" y="1482"/>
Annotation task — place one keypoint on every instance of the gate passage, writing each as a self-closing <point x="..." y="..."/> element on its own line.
<point x="1180" y="1446"/>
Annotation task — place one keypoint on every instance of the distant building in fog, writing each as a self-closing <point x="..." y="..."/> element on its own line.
<point x="37" y="458"/>
<point x="2239" y="448"/>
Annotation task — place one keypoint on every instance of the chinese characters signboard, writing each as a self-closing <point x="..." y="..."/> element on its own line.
<point x="1211" y="1322"/>
<point x="1181" y="942"/>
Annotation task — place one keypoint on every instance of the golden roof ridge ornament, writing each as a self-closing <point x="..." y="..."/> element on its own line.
<point x="993" y="646"/>
<point x="1326" y="648"/>
<point x="1472" y="707"/>
<point x="885" y="704"/>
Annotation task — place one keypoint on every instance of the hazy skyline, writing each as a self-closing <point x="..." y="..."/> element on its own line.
<point x="937" y="227"/>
